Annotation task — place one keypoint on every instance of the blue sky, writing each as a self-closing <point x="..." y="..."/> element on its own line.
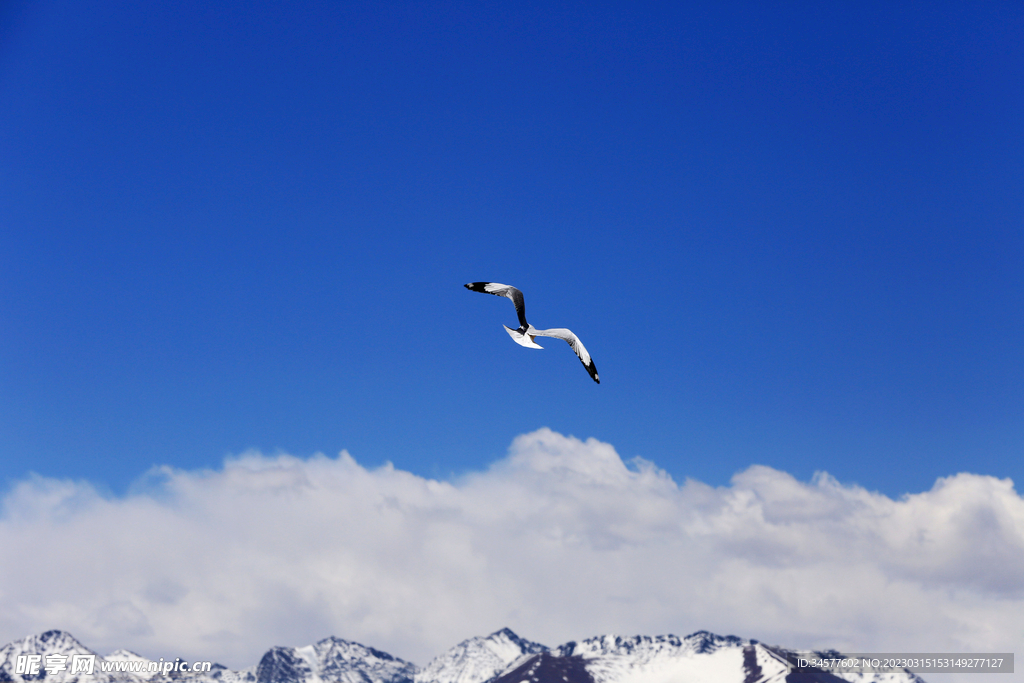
<point x="234" y="235"/>
<point x="789" y="236"/>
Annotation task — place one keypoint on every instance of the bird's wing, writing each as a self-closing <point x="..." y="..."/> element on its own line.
<point x="573" y="341"/>
<point x="507" y="291"/>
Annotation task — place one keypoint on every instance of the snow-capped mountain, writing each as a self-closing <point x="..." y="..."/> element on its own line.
<point x="478" y="659"/>
<point x="334" y="660"/>
<point x="502" y="657"/>
<point x="59" y="643"/>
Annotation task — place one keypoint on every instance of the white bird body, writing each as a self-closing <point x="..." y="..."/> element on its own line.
<point x="526" y="333"/>
<point x="523" y="339"/>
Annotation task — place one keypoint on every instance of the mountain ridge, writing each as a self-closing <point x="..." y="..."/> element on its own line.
<point x="501" y="657"/>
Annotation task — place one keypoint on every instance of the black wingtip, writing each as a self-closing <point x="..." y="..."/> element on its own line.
<point x="476" y="287"/>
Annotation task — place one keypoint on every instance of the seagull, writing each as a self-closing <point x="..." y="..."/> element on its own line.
<point x="526" y="333"/>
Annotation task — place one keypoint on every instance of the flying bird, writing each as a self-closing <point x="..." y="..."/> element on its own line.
<point x="526" y="333"/>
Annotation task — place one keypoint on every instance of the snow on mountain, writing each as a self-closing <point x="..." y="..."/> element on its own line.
<point x="335" y="660"/>
<point x="128" y="656"/>
<point x="502" y="657"/>
<point x="222" y="674"/>
<point x="347" y="662"/>
<point x="701" y="656"/>
<point x="56" y="647"/>
<point x="477" y="659"/>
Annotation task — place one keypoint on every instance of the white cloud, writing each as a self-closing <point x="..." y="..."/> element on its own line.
<point x="560" y="540"/>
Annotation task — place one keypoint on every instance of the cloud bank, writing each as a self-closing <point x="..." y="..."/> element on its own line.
<point x="560" y="540"/>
